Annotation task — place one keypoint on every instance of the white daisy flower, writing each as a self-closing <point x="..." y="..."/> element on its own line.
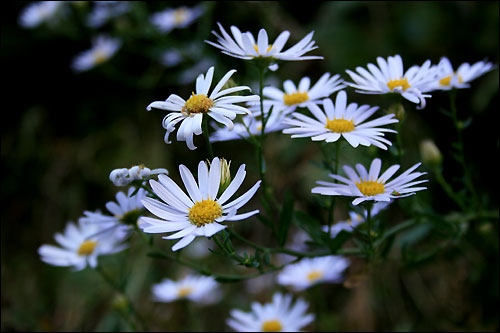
<point x="190" y="113"/>
<point x="449" y="79"/>
<point x="250" y="125"/>
<point x="278" y="316"/>
<point x="310" y="271"/>
<point x="103" y="11"/>
<point x="39" y="12"/>
<point x="389" y="77"/>
<point x="201" y="212"/>
<point x="370" y="185"/>
<point x="124" y="176"/>
<point x="170" y="18"/>
<point x="81" y="245"/>
<point x="103" y="48"/>
<point x="244" y="46"/>
<point x="354" y="220"/>
<point x="125" y="210"/>
<point x="199" y="289"/>
<point x="302" y="95"/>
<point x="341" y="120"/>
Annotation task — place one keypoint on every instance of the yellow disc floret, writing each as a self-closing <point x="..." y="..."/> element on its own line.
<point x="204" y="212"/>
<point x="272" y="326"/>
<point x="340" y="125"/>
<point x="403" y="83"/>
<point x="295" y="98"/>
<point x="445" y="81"/>
<point x="370" y="187"/>
<point x="87" y="248"/>
<point x="197" y="104"/>
<point x="184" y="291"/>
<point x="314" y="275"/>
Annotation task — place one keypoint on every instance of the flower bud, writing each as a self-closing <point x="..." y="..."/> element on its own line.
<point x="399" y="110"/>
<point x="430" y="153"/>
<point x="225" y="175"/>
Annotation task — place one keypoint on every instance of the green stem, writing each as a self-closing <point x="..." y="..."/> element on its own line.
<point x="331" y="208"/>
<point x="460" y="146"/>
<point x="448" y="189"/>
<point x="207" y="137"/>
<point x="131" y="311"/>
<point x="369" y="222"/>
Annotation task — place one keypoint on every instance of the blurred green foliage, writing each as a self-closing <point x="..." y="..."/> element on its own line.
<point x="62" y="133"/>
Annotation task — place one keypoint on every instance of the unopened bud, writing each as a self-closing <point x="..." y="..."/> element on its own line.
<point x="225" y="174"/>
<point x="430" y="153"/>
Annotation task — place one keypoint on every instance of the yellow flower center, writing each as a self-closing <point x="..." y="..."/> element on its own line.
<point x="340" y="125"/>
<point x="184" y="291"/>
<point x="87" y="248"/>
<point x="256" y="48"/>
<point x="197" y="104"/>
<point x="314" y="275"/>
<point x="272" y="326"/>
<point x="370" y="187"/>
<point x="204" y="212"/>
<point x="180" y="16"/>
<point x="295" y="98"/>
<point x="445" y="81"/>
<point x="403" y="83"/>
<point x="100" y="56"/>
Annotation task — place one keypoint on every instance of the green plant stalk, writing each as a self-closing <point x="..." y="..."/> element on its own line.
<point x="131" y="314"/>
<point x="206" y="135"/>
<point x="331" y="208"/>
<point x="467" y="177"/>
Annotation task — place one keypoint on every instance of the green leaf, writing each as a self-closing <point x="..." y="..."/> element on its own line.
<point x="286" y="217"/>
<point x="310" y="225"/>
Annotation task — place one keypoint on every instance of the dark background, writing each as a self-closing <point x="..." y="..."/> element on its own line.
<point x="62" y="133"/>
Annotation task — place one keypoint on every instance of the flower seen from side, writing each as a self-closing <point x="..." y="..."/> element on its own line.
<point x="39" y="12"/>
<point x="202" y="211"/>
<point x="124" y="176"/>
<point x="200" y="289"/>
<point x="389" y="77"/>
<point x="103" y="48"/>
<point x="172" y="18"/>
<point x="310" y="271"/>
<point x="250" y="125"/>
<point x="448" y="78"/>
<point x="125" y="211"/>
<point x="217" y="105"/>
<point x="80" y="245"/>
<point x="243" y="45"/>
<point x="280" y="315"/>
<point x="341" y="120"/>
<point x="292" y="96"/>
<point x="370" y="185"/>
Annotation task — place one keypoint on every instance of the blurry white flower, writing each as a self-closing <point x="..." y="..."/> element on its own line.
<point x="103" y="48"/>
<point x="244" y="46"/>
<point x="217" y="105"/>
<point x="389" y="77"/>
<point x="449" y="79"/>
<point x="370" y="185"/>
<point x="310" y="271"/>
<point x="200" y="289"/>
<point x="81" y="245"/>
<point x="278" y="316"/>
<point x="341" y="120"/>
<point x="124" y="176"/>
<point x="302" y="95"/>
<point x="102" y="11"/>
<point x="354" y="219"/>
<point x="125" y="210"/>
<point x="39" y="12"/>
<point x="181" y="17"/>
<point x="250" y="125"/>
<point x="171" y="58"/>
<point x="200" y="213"/>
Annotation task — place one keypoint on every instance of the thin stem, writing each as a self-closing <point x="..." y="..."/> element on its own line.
<point x="369" y="222"/>
<point x="131" y="311"/>
<point x="207" y="137"/>
<point x="460" y="145"/>
<point x="331" y="208"/>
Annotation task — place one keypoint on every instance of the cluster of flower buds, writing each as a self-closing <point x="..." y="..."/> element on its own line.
<point x="124" y="176"/>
